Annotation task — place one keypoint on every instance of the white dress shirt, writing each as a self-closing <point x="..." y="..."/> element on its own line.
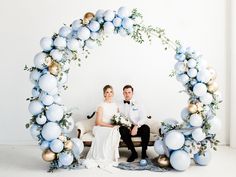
<point x="134" y="111"/>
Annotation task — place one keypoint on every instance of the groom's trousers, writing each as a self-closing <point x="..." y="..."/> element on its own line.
<point x="143" y="132"/>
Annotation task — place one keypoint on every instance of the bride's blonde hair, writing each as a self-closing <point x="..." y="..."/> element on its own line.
<point x="107" y="87"/>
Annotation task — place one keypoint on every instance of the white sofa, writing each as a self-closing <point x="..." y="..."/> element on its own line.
<point x="85" y="127"/>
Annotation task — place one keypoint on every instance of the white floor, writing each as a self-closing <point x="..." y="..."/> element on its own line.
<point x="17" y="161"/>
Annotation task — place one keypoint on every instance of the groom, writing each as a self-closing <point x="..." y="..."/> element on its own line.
<point x="138" y="118"/>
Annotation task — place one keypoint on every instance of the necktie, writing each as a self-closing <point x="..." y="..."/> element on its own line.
<point x="128" y="102"/>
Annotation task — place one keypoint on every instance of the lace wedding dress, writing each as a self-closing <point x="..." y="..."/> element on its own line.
<point x="104" y="150"/>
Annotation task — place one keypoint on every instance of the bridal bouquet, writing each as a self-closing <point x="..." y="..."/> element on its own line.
<point x="120" y="119"/>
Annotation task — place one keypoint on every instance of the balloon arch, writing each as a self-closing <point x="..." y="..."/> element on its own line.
<point x="51" y="122"/>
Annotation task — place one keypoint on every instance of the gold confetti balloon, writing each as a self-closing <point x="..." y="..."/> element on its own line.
<point x="163" y="161"/>
<point x="192" y="108"/>
<point x="54" y="68"/>
<point x="88" y="17"/>
<point x="68" y="145"/>
<point x="212" y="87"/>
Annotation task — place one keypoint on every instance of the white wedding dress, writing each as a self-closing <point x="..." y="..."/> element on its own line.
<point x="104" y="151"/>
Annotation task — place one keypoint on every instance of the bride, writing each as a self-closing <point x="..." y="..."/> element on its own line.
<point x="104" y="150"/>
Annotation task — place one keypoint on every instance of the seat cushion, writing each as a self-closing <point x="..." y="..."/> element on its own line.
<point x="88" y="137"/>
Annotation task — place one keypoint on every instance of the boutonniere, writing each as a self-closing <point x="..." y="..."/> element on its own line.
<point x="134" y="107"/>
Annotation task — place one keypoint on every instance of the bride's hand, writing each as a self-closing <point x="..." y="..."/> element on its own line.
<point x="134" y="131"/>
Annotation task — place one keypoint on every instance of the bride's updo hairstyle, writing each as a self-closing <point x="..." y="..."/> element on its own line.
<point x="107" y="87"/>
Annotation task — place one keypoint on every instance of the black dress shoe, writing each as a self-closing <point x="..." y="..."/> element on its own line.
<point x="132" y="157"/>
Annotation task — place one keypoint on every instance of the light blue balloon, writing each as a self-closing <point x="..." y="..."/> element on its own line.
<point x="192" y="63"/>
<point x="64" y="31"/>
<point x="56" y="54"/>
<point x="192" y="72"/>
<point x="143" y="162"/>
<point x="108" y="28"/>
<point x="183" y="78"/>
<point x="55" y="113"/>
<point x="180" y="67"/>
<point x="185" y="114"/>
<point x="123" y="12"/>
<point x="35" y="91"/>
<point x="122" y="32"/>
<point x="99" y="13"/>
<point x="180" y="57"/>
<point x="180" y="50"/>
<point x="76" y="25"/>
<point x="39" y="60"/>
<point x="109" y="15"/>
<point x="35" y="107"/>
<point x="203" y="159"/>
<point x="51" y="131"/>
<point x="66" y="158"/>
<point x="127" y="23"/>
<point x="200" y="89"/>
<point x="41" y="119"/>
<point x="180" y="160"/>
<point x="174" y="140"/>
<point x="94" y="26"/>
<point x="35" y="131"/>
<point x="44" y="145"/>
<point x="56" y="145"/>
<point x="35" y="75"/>
<point x="60" y="42"/>
<point x="46" y="43"/>
<point x="78" y="147"/>
<point x="73" y="44"/>
<point x="100" y="20"/>
<point x="159" y="147"/>
<point x="117" y="22"/>
<point x="94" y="35"/>
<point x="83" y="33"/>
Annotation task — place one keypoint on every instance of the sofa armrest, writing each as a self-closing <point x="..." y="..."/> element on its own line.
<point x="85" y="126"/>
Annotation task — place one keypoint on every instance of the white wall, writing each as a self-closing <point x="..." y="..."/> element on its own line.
<point x="198" y="23"/>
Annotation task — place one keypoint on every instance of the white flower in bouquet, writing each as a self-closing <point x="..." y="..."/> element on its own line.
<point x="120" y="119"/>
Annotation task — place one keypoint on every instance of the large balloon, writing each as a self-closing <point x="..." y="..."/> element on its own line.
<point x="66" y="158"/>
<point x="203" y="159"/>
<point x="215" y="125"/>
<point x="64" y="31"/>
<point x="35" y="107"/>
<point x="46" y="43"/>
<point x="73" y="44"/>
<point x="108" y="28"/>
<point x="206" y="99"/>
<point x="200" y="89"/>
<point x="60" y="42"/>
<point x="56" y="54"/>
<point x="198" y="134"/>
<point x="127" y="23"/>
<point x="159" y="147"/>
<point x="78" y="147"/>
<point x="123" y="12"/>
<point x="47" y="82"/>
<point x="180" y="160"/>
<point x="54" y="113"/>
<point x="56" y="145"/>
<point x="94" y="26"/>
<point x="51" y="131"/>
<point x="174" y="140"/>
<point x="196" y="120"/>
<point x="83" y="33"/>
<point x="40" y="60"/>
<point x="109" y="15"/>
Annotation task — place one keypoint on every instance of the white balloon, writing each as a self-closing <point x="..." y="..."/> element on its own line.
<point x="94" y="35"/>
<point x="201" y="63"/>
<point x="54" y="113"/>
<point x="66" y="158"/>
<point x="192" y="72"/>
<point x="35" y="107"/>
<point x="90" y="43"/>
<point x="127" y="23"/>
<point x="35" y="75"/>
<point x="76" y="25"/>
<point x="78" y="147"/>
<point x="39" y="60"/>
<point x="73" y="44"/>
<point x="174" y="140"/>
<point x="47" y="99"/>
<point x="41" y="119"/>
<point x="46" y="43"/>
<point x="94" y="26"/>
<point x="109" y="15"/>
<point x="204" y="76"/>
<point x="122" y="32"/>
<point x="206" y="99"/>
<point x="56" y="54"/>
<point x="35" y="92"/>
<point x="108" y="28"/>
<point x="198" y="134"/>
<point x="192" y="63"/>
<point x="123" y="12"/>
<point x="99" y="13"/>
<point x="47" y="82"/>
<point x="183" y="78"/>
<point x="196" y="120"/>
<point x="64" y="31"/>
<point x="117" y="22"/>
<point x="180" y="67"/>
<point x="51" y="131"/>
<point x="215" y="125"/>
<point x="83" y="33"/>
<point x="60" y="43"/>
<point x="200" y="89"/>
<point x="56" y="145"/>
<point x="159" y="147"/>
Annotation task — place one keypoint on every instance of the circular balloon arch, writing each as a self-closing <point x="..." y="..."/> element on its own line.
<point x="51" y="122"/>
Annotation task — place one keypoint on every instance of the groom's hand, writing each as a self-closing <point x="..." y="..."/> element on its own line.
<point x="134" y="131"/>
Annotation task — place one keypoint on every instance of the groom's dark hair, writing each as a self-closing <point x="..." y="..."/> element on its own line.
<point x="128" y="86"/>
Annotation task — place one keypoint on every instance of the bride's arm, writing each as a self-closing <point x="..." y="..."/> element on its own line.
<point x="99" y="121"/>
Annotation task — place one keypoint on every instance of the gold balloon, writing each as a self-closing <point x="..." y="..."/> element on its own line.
<point x="68" y="145"/>
<point x="54" y="68"/>
<point x="48" y="155"/>
<point x="88" y="17"/>
<point x="48" y="61"/>
<point x="192" y="108"/>
<point x="163" y="161"/>
<point x="213" y="87"/>
<point x="199" y="106"/>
